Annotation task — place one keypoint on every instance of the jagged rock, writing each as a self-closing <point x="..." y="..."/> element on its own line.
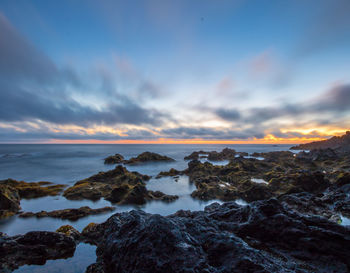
<point x="148" y="157"/>
<point x="68" y="214"/>
<point x="9" y="201"/>
<point x="102" y="184"/>
<point x="34" y="247"/>
<point x="260" y="237"/>
<point x="34" y="189"/>
<point x="114" y="159"/>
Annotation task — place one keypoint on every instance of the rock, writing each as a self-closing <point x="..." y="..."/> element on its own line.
<point x="158" y="195"/>
<point x="102" y="184"/>
<point x="29" y="190"/>
<point x="9" y="201"/>
<point x="148" y="157"/>
<point x="317" y="155"/>
<point x="114" y="159"/>
<point x="69" y="231"/>
<point x="68" y="214"/>
<point x="171" y="172"/>
<point x="340" y="143"/>
<point x="225" y="154"/>
<point x="260" y="237"/>
<point x="117" y="186"/>
<point x="34" y="247"/>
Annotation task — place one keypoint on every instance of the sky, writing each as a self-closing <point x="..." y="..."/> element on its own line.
<point x="161" y="71"/>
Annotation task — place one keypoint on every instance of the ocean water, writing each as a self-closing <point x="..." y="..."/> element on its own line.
<point x="66" y="164"/>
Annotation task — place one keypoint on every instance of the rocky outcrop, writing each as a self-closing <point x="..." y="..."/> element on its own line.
<point x="69" y="231"/>
<point x="67" y="214"/>
<point x="282" y="172"/>
<point x="29" y="190"/>
<point x="114" y="159"/>
<point x="102" y="184"/>
<point x="263" y="236"/>
<point x="9" y="201"/>
<point x="35" y="247"/>
<point x="148" y="157"/>
<point x="339" y="143"/>
<point x="225" y="154"/>
<point x="117" y="186"/>
<point x="171" y="172"/>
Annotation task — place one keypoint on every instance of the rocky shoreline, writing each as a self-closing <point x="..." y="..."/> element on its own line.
<point x="291" y="222"/>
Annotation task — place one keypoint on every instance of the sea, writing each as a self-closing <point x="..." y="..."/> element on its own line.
<point x="69" y="163"/>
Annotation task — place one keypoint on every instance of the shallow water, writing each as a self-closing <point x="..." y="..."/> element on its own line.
<point x="66" y="164"/>
<point x="82" y="258"/>
<point x="259" y="181"/>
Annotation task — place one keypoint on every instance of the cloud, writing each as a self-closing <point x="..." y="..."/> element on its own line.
<point x="34" y="88"/>
<point x="336" y="100"/>
<point x="228" y="114"/>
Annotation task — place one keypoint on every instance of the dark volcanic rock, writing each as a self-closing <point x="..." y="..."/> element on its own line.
<point x="148" y="157"/>
<point x="35" y="247"/>
<point x="9" y="201"/>
<point x="114" y="159"/>
<point x="260" y="237"/>
<point x="69" y="214"/>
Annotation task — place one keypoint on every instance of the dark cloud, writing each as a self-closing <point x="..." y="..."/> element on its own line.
<point x="334" y="101"/>
<point x="211" y="133"/>
<point x="228" y="114"/>
<point x="32" y="87"/>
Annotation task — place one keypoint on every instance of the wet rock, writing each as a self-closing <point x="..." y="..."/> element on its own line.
<point x="68" y="214"/>
<point x="263" y="236"/>
<point x="34" y="247"/>
<point x="69" y="231"/>
<point x="148" y="157"/>
<point x="158" y="195"/>
<point x="225" y="154"/>
<point x="102" y="184"/>
<point x="171" y="172"/>
<point x="9" y="201"/>
<point x="117" y="186"/>
<point x="114" y="159"/>
<point x="29" y="190"/>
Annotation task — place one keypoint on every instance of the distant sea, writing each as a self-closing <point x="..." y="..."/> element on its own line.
<point x="68" y="163"/>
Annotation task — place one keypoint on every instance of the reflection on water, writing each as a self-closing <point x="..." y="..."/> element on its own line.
<point x="84" y="255"/>
<point x="345" y="221"/>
